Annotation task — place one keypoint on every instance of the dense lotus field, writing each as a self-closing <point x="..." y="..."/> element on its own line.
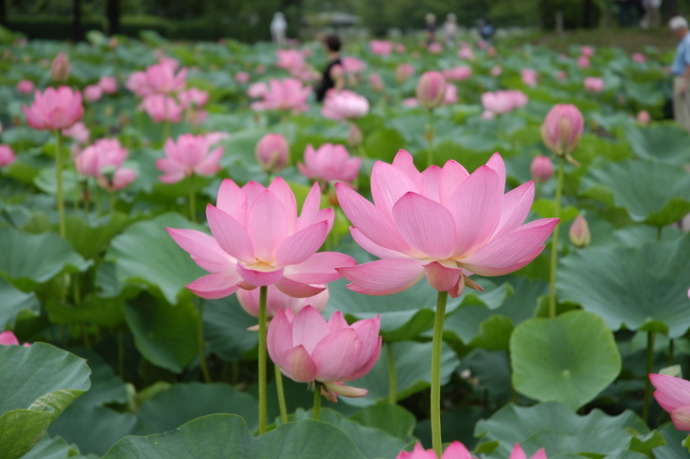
<point x="199" y="260"/>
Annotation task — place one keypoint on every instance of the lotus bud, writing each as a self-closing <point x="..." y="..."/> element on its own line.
<point x="579" y="232"/>
<point x="431" y="89"/>
<point x="354" y="137"/>
<point x="7" y="156"/>
<point x="643" y="117"/>
<point x="272" y="152"/>
<point x="60" y="67"/>
<point x="562" y="128"/>
<point x="541" y="168"/>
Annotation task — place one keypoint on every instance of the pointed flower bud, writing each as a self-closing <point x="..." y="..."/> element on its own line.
<point x="431" y="89"/>
<point x="541" y="168"/>
<point x="562" y="128"/>
<point x="272" y="152"/>
<point x="579" y="232"/>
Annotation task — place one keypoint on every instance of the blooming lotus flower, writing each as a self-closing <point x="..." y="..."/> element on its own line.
<point x="329" y="163"/>
<point x="60" y="67"/>
<point x="587" y="51"/>
<point x="519" y="453"/>
<point x="162" y="108"/>
<point x="583" y="62"/>
<point x="54" y="109"/>
<point x="102" y="155"/>
<point x="404" y="71"/>
<point x="643" y="117"/>
<point x="242" y="77"/>
<point x="466" y="53"/>
<point x="285" y="94"/>
<point x="443" y="223"/>
<point x="639" y="58"/>
<point x="163" y="79"/>
<point x="376" y="82"/>
<point x="457" y="73"/>
<point x="562" y="128"/>
<point x="108" y="84"/>
<point x="579" y="232"/>
<point x="78" y="132"/>
<point x="529" y="77"/>
<point x="277" y="301"/>
<point x="137" y="83"/>
<point x="92" y="93"/>
<point x="541" y="168"/>
<point x="272" y="152"/>
<point x="435" y="48"/>
<point x="352" y="64"/>
<point x="257" y="90"/>
<point x="455" y="450"/>
<point x="673" y="395"/>
<point x="343" y="104"/>
<point x="258" y="240"/>
<point x="593" y="84"/>
<point x="290" y="59"/>
<point x="381" y="47"/>
<point x="7" y="338"/>
<point x="193" y="97"/>
<point x="7" y="156"/>
<point x="307" y="348"/>
<point x="500" y="102"/>
<point x="191" y="154"/>
<point x="431" y="89"/>
<point x="25" y="87"/>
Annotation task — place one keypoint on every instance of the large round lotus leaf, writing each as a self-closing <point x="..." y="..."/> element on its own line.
<point x="650" y="191"/>
<point x="668" y="142"/>
<point x="38" y="383"/>
<point x="31" y="259"/>
<point x="560" y="431"/>
<point x="13" y="301"/>
<point x="640" y="287"/>
<point x="569" y="359"/>
<point x="219" y="436"/>
<point x="53" y="448"/>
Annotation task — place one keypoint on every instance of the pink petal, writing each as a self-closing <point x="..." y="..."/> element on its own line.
<point x="210" y="165"/>
<point x="517" y="452"/>
<point x="388" y="184"/>
<point x="337" y="355"/>
<point x="418" y="453"/>
<point x="368" y="332"/>
<point x="337" y="322"/>
<point x="681" y="418"/>
<point x="283" y="192"/>
<point x="301" y="245"/>
<point x="311" y="207"/>
<point x="516" y="206"/>
<point x="267" y="224"/>
<point x="404" y="162"/>
<point x="279" y="337"/>
<point x="232" y="200"/>
<point x="496" y="163"/>
<point x="299" y="365"/>
<point x="426" y="225"/>
<point x="511" y="251"/>
<point x="259" y="278"/>
<point x="476" y="207"/>
<point x="383" y="277"/>
<point x="7" y="338"/>
<point x="229" y="233"/>
<point x="308" y="328"/>
<point x="452" y="175"/>
<point x="297" y="289"/>
<point x="203" y="249"/>
<point x="442" y="278"/>
<point x="320" y="268"/>
<point x="346" y="391"/>
<point x="371" y="247"/>
<point x="456" y="450"/>
<point x="671" y="392"/>
<point x="216" y="285"/>
<point x="431" y="182"/>
<point x="540" y="454"/>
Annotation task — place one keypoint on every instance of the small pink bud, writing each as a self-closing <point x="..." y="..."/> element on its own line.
<point x="579" y="232"/>
<point x="60" y="67"/>
<point x="562" y="128"/>
<point x="93" y="92"/>
<point x="6" y="155"/>
<point x="643" y="117"/>
<point x="541" y="168"/>
<point x="431" y="89"/>
<point x="272" y="152"/>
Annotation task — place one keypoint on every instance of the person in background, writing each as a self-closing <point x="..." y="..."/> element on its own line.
<point x="430" y="20"/>
<point x="332" y="76"/>
<point x="278" y="28"/>
<point x="652" y="18"/>
<point x="681" y="72"/>
<point x="486" y="30"/>
<point x="450" y="29"/>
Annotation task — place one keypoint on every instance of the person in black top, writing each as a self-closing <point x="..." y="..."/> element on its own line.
<point x="329" y="78"/>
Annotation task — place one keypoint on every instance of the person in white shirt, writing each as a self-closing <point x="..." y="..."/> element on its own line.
<point x="681" y="72"/>
<point x="450" y="29"/>
<point x="278" y="28"/>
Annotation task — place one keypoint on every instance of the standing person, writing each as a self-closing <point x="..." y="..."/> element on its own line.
<point x="430" y="20"/>
<point x="332" y="76"/>
<point x="652" y="18"/>
<point x="278" y="28"/>
<point x="450" y="29"/>
<point x="486" y="30"/>
<point x="681" y="72"/>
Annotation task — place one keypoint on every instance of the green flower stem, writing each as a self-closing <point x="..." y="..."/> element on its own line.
<point x="192" y="206"/>
<point x="280" y="393"/>
<point x="553" y="265"/>
<point x="430" y="139"/>
<point x="316" y="409"/>
<point x="263" y="424"/>
<point x="392" y="375"/>
<point x="200" y="344"/>
<point x="651" y="336"/>
<point x="60" y="192"/>
<point x="436" y="439"/>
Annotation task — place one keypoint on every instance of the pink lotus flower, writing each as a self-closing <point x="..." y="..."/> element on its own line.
<point x="119" y="179"/>
<point x="457" y="73"/>
<point x="78" y="132"/>
<point x="443" y="222"/>
<point x="258" y="239"/>
<point x="529" y="77"/>
<point x="455" y="450"/>
<point x="381" y="47"/>
<point x="307" y="348"/>
<point x="344" y="104"/>
<point x="7" y="338"/>
<point x="451" y="95"/>
<point x="352" y="64"/>
<point x="290" y="59"/>
<point x="92" y="93"/>
<point x="639" y="58"/>
<point x="435" y="48"/>
<point x="108" y="84"/>
<point x="643" y="117"/>
<point x="593" y="84"/>
<point x="60" y="67"/>
<point x="562" y="128"/>
<point x="272" y="152"/>
<point x="519" y="453"/>
<point x="583" y="62"/>
<point x="376" y="82"/>
<point x="579" y="232"/>
<point x="541" y="168"/>
<point x="403" y="71"/>
<point x="193" y="97"/>
<point x="431" y="89"/>
<point x="466" y="53"/>
<point x="257" y="90"/>
<point x="587" y="51"/>
<point x="162" y="108"/>
<point x="329" y="163"/>
<point x="285" y="94"/>
<point x="242" y="77"/>
<point x="25" y="87"/>
<point x="191" y="154"/>
<point x="7" y="156"/>
<point x="277" y="301"/>
<point x="500" y="102"/>
<point x="496" y="70"/>
<point x="54" y="109"/>
<point x="163" y="78"/>
<point x="673" y="395"/>
<point x="410" y="102"/>
<point x="101" y="156"/>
